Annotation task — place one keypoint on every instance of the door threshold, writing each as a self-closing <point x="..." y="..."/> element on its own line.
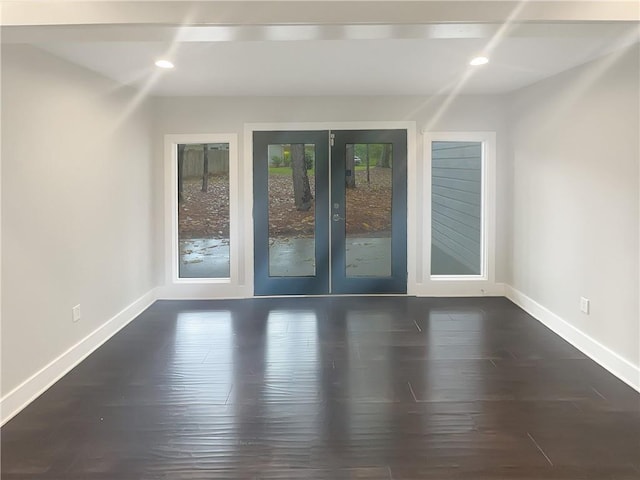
<point x="337" y="295"/>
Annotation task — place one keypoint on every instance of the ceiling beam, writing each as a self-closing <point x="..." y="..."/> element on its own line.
<point x="239" y="33"/>
<point x="297" y="12"/>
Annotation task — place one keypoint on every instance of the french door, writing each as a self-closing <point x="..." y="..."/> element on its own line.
<point x="330" y="212"/>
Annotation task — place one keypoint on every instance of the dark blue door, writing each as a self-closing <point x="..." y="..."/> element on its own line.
<point x="330" y="212"/>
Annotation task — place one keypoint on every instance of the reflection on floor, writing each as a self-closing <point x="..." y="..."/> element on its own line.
<point x="330" y="388"/>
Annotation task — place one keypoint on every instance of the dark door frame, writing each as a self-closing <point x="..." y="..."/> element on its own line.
<point x="263" y="283"/>
<point x="397" y="282"/>
<point x="321" y="283"/>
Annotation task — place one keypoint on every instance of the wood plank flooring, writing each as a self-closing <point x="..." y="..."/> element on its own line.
<point x="330" y="388"/>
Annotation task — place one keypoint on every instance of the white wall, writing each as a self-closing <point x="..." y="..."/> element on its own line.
<point x="77" y="210"/>
<point x="575" y="152"/>
<point x="75" y="229"/>
<point x="229" y="114"/>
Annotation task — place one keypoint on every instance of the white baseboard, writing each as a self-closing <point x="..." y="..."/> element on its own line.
<point x="444" y="288"/>
<point x="21" y="396"/>
<point x="611" y="361"/>
<point x="202" y="291"/>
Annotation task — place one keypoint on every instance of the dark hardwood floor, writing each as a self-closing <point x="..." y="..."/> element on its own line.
<point x="330" y="388"/>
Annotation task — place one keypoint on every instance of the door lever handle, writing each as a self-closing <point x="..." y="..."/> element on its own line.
<point x="336" y="217"/>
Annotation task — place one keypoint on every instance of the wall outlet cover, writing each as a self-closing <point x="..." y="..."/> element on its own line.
<point x="75" y="313"/>
<point x="584" y="305"/>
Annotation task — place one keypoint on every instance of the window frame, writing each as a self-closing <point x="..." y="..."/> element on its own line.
<point x="172" y="256"/>
<point x="462" y="284"/>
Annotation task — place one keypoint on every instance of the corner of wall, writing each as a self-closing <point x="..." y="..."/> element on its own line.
<point x="607" y="358"/>
<point x="17" y="399"/>
<point x="564" y="202"/>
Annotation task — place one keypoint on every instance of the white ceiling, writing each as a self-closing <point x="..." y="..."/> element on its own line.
<point x="373" y="60"/>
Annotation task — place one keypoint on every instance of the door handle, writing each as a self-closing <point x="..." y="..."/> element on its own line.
<point x="336" y="217"/>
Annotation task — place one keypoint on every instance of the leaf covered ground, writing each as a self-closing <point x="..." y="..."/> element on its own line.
<point x="206" y="214"/>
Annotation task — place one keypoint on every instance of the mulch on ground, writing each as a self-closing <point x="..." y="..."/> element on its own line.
<point x="206" y="214"/>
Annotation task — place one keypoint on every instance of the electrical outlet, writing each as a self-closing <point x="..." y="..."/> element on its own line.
<point x="584" y="305"/>
<point x="75" y="313"/>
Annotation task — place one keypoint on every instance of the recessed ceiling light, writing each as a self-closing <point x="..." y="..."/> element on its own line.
<point x="164" y="64"/>
<point x="479" y="61"/>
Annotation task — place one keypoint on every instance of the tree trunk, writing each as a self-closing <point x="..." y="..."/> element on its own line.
<point x="350" y="167"/>
<point x="180" y="168"/>
<point x="301" y="188"/>
<point x="366" y="156"/>
<point x="205" y="168"/>
<point x="385" y="159"/>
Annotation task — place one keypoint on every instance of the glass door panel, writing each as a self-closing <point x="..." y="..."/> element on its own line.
<point x="292" y="193"/>
<point x="290" y="176"/>
<point x="317" y="232"/>
<point x="369" y="204"/>
<point x="368" y="201"/>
